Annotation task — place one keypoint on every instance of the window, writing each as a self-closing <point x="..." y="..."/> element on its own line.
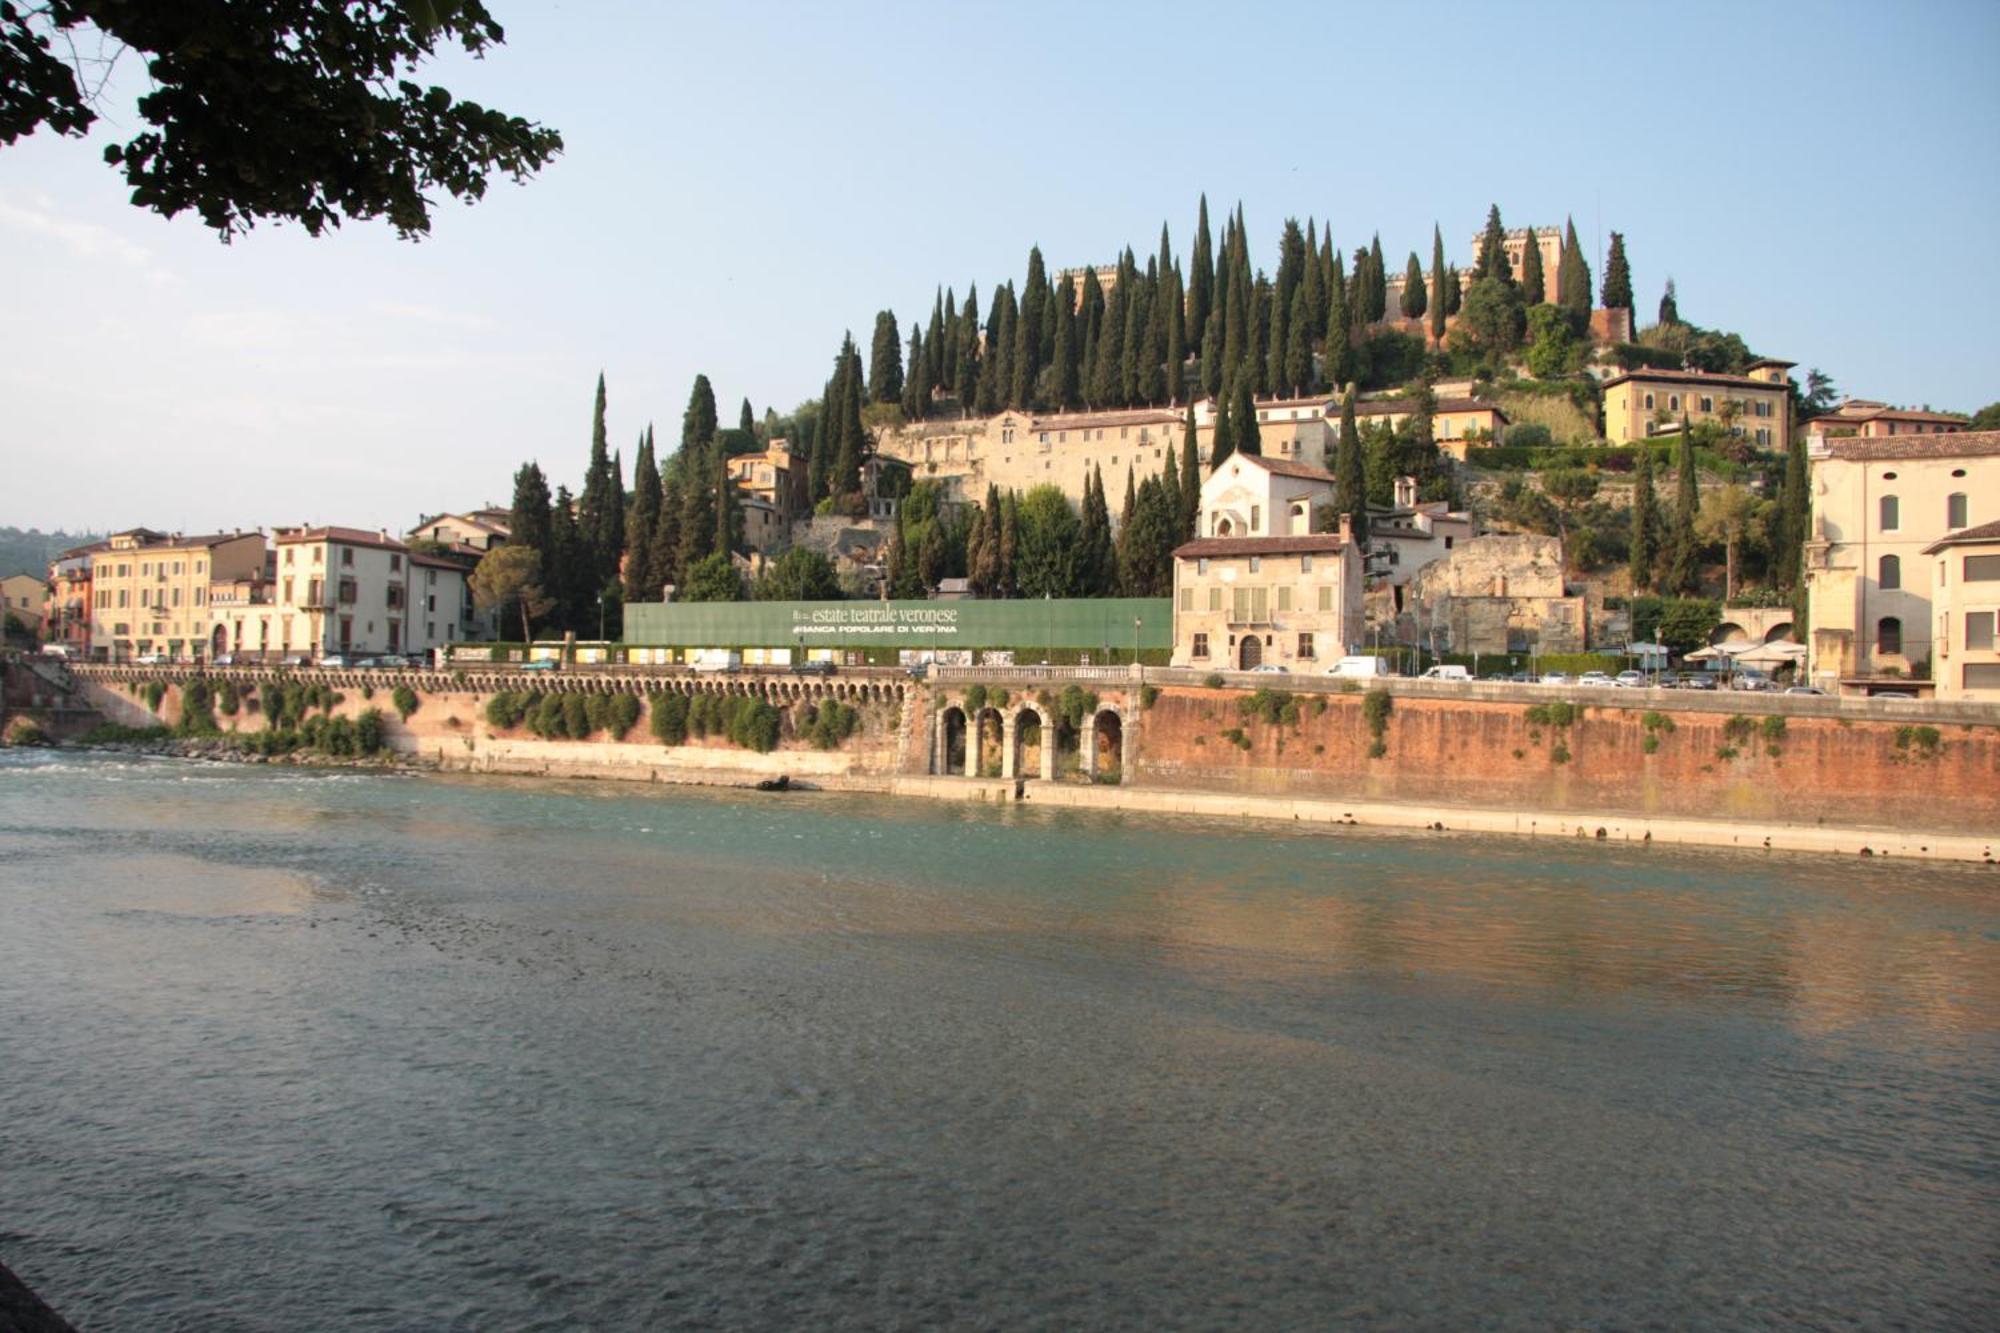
<point x="1187" y="599"/>
<point x="1256" y="518"/>
<point x="1215" y="599"/>
<point x="1649" y="402"/>
<point x="1326" y="598"/>
<point x="1284" y="597"/>
<point x="1673" y="402"/>
<point x="1978" y="569"/>
<point x="1979" y="630"/>
<point x="1201" y="565"/>
<point x="1256" y="564"/>
<point x="145" y="569"/>
<point x="1954" y="510"/>
<point x="396" y="561"/>
<point x="288" y="555"/>
<point x="1890" y="513"/>
<point x="1889" y="635"/>
<point x="349" y="592"/>
<point x="1447" y="543"/>
<point x="1707" y="403"/>
<point x="177" y="597"/>
<point x="1305" y="564"/>
<point x="1764" y="436"/>
<point x="1200" y="648"/>
<point x="395" y="597"/>
<point x="1981" y="675"/>
<point x="1889" y="573"/>
<point x="319" y="554"/>
<point x="1306" y="644"/>
<point x="199" y="590"/>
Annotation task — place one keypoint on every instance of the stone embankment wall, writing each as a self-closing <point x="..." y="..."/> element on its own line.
<point x="1641" y="760"/>
<point x="449" y="727"/>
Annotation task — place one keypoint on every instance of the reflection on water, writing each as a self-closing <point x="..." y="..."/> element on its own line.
<point x="310" y="1050"/>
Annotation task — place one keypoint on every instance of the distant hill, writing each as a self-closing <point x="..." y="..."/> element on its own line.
<point x="29" y="551"/>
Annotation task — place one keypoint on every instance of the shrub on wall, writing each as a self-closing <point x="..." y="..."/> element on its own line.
<point x="406" y="701"/>
<point x="670" y="718"/>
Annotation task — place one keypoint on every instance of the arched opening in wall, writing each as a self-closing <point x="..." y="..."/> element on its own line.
<point x="1889" y="636"/>
<point x="953" y="722"/>
<point x="219" y="642"/>
<point x="1250" y="652"/>
<point x="1727" y="632"/>
<point x="1028" y="740"/>
<point x="990" y="739"/>
<point x="1780" y="633"/>
<point x="1110" y="730"/>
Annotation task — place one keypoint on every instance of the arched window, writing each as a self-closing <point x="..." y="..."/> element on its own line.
<point x="1954" y="510"/>
<point x="1890" y="513"/>
<point x="1888" y="635"/>
<point x="1889" y="574"/>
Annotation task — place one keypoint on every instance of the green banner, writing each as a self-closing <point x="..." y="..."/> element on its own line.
<point x="1095" y="622"/>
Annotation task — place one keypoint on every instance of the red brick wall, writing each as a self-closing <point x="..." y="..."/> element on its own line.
<point x="1466" y="754"/>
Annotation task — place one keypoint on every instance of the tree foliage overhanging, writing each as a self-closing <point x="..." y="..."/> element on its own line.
<point x="276" y="110"/>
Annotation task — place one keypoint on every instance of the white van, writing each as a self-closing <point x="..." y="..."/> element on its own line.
<point x="1442" y="672"/>
<point x="1361" y="668"/>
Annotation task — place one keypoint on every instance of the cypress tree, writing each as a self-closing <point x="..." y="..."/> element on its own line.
<point x="934" y="346"/>
<point x="529" y="521"/>
<point x="1350" y="471"/>
<point x="1272" y="373"/>
<point x="1313" y="288"/>
<point x="1238" y="344"/>
<point x="1190" y="478"/>
<point x="1645" y="522"/>
<point x="1415" y="299"/>
<point x="1065" y="356"/>
<point x="728" y="514"/>
<point x="818" y="442"/>
<point x="566" y="567"/>
<point x="601" y="513"/>
<point x="663" y="554"/>
<point x="1298" y="346"/>
<point x="1100" y="557"/>
<point x="1440" y="304"/>
<point x="1107" y="377"/>
<point x="1573" y="282"/>
<point x="1682" y="573"/>
<point x="697" y="517"/>
<point x="1617" y="276"/>
<point x="1175" y="388"/>
<point x="1337" y="355"/>
<point x="965" y="373"/>
<point x="1201" y="274"/>
<point x="885" y="361"/>
<point x="1493" y="250"/>
<point x="1247" y="438"/>
<point x="640" y="521"/>
<point x="1010" y="542"/>
<point x="1131" y="488"/>
<point x="746" y="421"/>
<point x="1133" y="349"/>
<point x="1028" y="347"/>
<point x="1211" y="355"/>
<point x="1454" y="290"/>
<point x="698" y="422"/>
<point x="850" y="439"/>
<point x="1794" y="517"/>
<point x="917" y="387"/>
<point x="1224" y="442"/>
<point x="1176" y="500"/>
<point x="1378" y="283"/>
<point x="1533" y="290"/>
<point x="1670" y="309"/>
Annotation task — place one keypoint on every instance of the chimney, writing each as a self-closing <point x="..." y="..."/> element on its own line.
<point x="1347" y="529"/>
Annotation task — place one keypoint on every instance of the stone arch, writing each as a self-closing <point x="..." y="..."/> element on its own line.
<point x="1028" y="741"/>
<point x="953" y="756"/>
<point x="1727" y="632"/>
<point x="1779" y="633"/>
<point x="1250" y="652"/>
<point x="989" y="737"/>
<point x="1104" y="745"/>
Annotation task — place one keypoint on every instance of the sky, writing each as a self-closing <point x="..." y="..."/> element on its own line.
<point x="743" y="182"/>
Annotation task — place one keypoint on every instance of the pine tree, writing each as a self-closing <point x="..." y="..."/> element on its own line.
<point x="1493" y="250"/>
<point x="1617" y="276"/>
<point x="1682" y="572"/>
<point x="1225" y="441"/>
<point x="1190" y="478"/>
<point x="1670" y="309"/>
<point x="885" y="361"/>
<point x="529" y="522"/>
<point x="1645" y="522"/>
<point x="640" y="520"/>
<point x="1573" y="282"/>
<point x="1248" y="439"/>
<point x="1533" y="289"/>
<point x="1350" y="471"/>
<point x="1440" y="304"/>
<point x="698" y="422"/>
<point x="1415" y="299"/>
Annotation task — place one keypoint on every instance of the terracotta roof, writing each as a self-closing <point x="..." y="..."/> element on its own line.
<point x="1282" y="467"/>
<point x="461" y="559"/>
<point x="1984" y="534"/>
<point x="1314" y="544"/>
<point x="1774" y="361"/>
<point x="1849" y="413"/>
<point x="1384" y="406"/>
<point x="1693" y="377"/>
<point x="1962" y="444"/>
<point x="1085" y="420"/>
<point x="344" y="536"/>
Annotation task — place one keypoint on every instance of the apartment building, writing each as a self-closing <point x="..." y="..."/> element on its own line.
<point x="1866" y="417"/>
<point x="1965" y="606"/>
<point x="346" y="591"/>
<point x="149" y="591"/>
<point x="480" y="530"/>
<point x="1879" y="504"/>
<point x="1756" y="405"/>
<point x="69" y="599"/>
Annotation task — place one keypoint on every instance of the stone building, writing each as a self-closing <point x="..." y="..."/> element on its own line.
<point x="348" y="591"/>
<point x="1878" y="504"/>
<point x="479" y="530"/>
<point x="1866" y="417"/>
<point x="1021" y="450"/>
<point x="1965" y="604"/>
<point x="149" y="590"/>
<point x="1495" y="594"/>
<point x="25" y="597"/>
<point x="1412" y="533"/>
<point x="774" y="477"/>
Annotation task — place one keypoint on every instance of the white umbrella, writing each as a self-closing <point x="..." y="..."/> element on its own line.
<point x="1706" y="654"/>
<point x="1774" y="654"/>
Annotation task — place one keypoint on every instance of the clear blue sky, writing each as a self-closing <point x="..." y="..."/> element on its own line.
<point x="744" y="181"/>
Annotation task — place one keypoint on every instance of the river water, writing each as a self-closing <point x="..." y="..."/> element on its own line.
<point x="316" y="1050"/>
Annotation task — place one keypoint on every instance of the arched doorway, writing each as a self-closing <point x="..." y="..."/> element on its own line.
<point x="220" y="641"/>
<point x="1779" y="633"/>
<point x="988" y="736"/>
<point x="1727" y="632"/>
<point x="1250" y="652"/>
<point x="1030" y="736"/>
<point x="951" y="750"/>
<point x="1107" y="732"/>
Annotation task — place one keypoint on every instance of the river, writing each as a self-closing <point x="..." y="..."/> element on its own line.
<point x="286" y="1049"/>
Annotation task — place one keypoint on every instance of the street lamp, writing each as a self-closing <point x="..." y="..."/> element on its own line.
<point x="600" y="615"/>
<point x="1136" y="623"/>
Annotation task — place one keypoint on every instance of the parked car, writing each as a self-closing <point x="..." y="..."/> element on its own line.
<point x="1630" y="680"/>
<point x="1556" y="678"/>
<point x="224" y="659"/>
<point x="1697" y="680"/>
<point x="1269" y="669"/>
<point x="1444" y="672"/>
<point x="815" y="668"/>
<point x="1521" y="678"/>
<point x="1805" y="689"/>
<point x="1594" y="678"/>
<point x="295" y="660"/>
<point x="1362" y="667"/>
<point x="541" y="664"/>
<point x="336" y="661"/>
<point x="55" y="650"/>
<point x="150" y="659"/>
<point x="1749" y="678"/>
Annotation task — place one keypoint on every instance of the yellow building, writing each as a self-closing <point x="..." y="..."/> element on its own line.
<point x="1878" y="504"/>
<point x="149" y="591"/>
<point x="1020" y="450"/>
<point x="25" y="598"/>
<point x="1865" y="416"/>
<point x="1965" y="606"/>
<point x="347" y="591"/>
<point x="1756" y="405"/>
